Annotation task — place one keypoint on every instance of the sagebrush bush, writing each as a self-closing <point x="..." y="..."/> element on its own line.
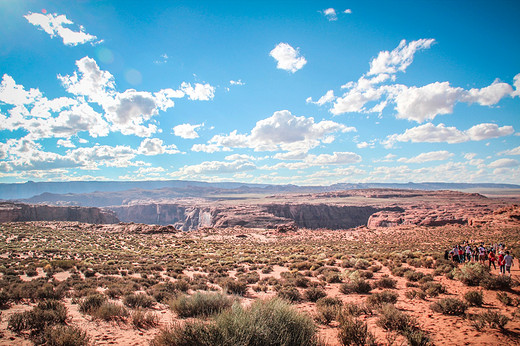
<point x="360" y="286"/>
<point x="235" y="287"/>
<point x="494" y="319"/>
<point x="62" y="335"/>
<point x="449" y="306"/>
<point x="91" y="303"/>
<point x="353" y="331"/>
<point x="46" y="313"/>
<point x="200" y="304"/>
<point x="433" y="289"/>
<point x="475" y="298"/>
<point x="496" y="282"/>
<point x="289" y="293"/>
<point x="138" y="301"/>
<point x="265" y="322"/>
<point x="312" y="294"/>
<point x="395" y="320"/>
<point x="504" y="298"/>
<point x="380" y="298"/>
<point x="142" y="319"/>
<point x="109" y="311"/>
<point x="386" y="282"/>
<point x="471" y="274"/>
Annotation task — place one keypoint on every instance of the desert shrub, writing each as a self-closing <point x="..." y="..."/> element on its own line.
<point x="333" y="278"/>
<point x="265" y="322"/>
<point x="61" y="335"/>
<point x="362" y="264"/>
<point x="399" y="271"/>
<point x="143" y="319"/>
<point x="200" y="304"/>
<point x="289" y="293"/>
<point x="386" y="282"/>
<point x="109" y="311"/>
<point x="395" y="320"/>
<point x="449" y="306"/>
<point x="329" y="301"/>
<point x="312" y="294"/>
<point x="4" y="300"/>
<point x="433" y="289"/>
<point x="471" y="274"/>
<point x="375" y="268"/>
<point x="271" y="322"/>
<point x="412" y="275"/>
<point x="353" y="331"/>
<point x="91" y="303"/>
<point x="181" y="285"/>
<point x="138" y="301"/>
<point x="417" y="337"/>
<point x="46" y="313"/>
<point x="494" y="282"/>
<point x="354" y="309"/>
<point x="355" y="286"/>
<point x="327" y="313"/>
<point x="494" y="319"/>
<point x="235" y="287"/>
<point x="475" y="298"/>
<point x="412" y="294"/>
<point x="380" y="298"/>
<point x="504" y="298"/>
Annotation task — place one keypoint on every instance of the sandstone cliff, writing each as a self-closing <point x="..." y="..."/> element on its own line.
<point x="13" y="212"/>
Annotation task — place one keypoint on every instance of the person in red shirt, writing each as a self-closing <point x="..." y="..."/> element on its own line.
<point x="501" y="263"/>
<point x="492" y="259"/>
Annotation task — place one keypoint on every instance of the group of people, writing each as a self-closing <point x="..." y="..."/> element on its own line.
<point x="494" y="254"/>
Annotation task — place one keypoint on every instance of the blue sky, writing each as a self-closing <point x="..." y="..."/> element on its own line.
<point x="307" y="93"/>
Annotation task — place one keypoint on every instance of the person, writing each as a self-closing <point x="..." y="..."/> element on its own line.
<point x="492" y="259"/>
<point x="501" y="263"/>
<point x="468" y="253"/>
<point x="461" y="254"/>
<point x="482" y="254"/>
<point x="446" y="255"/>
<point x="475" y="254"/>
<point x="508" y="260"/>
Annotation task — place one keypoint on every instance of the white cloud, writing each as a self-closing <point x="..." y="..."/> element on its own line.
<point x="514" y="151"/>
<point x="208" y="148"/>
<point x="54" y="25"/>
<point x="504" y="163"/>
<point x="236" y="157"/>
<point x="201" y="92"/>
<point x="330" y="13"/>
<point x="236" y="82"/>
<point x="489" y="95"/>
<point x="398" y="59"/>
<point x="155" y="146"/>
<point x="216" y="167"/>
<point x="347" y="11"/>
<point x="516" y="83"/>
<point x="429" y="133"/>
<point x="337" y="158"/>
<point x="287" y="58"/>
<point x="67" y="143"/>
<point x="355" y="100"/>
<point x="187" y="131"/>
<point x="429" y="156"/>
<point x="424" y="103"/>
<point x="328" y="97"/>
<point x="292" y="155"/>
<point x="14" y="94"/>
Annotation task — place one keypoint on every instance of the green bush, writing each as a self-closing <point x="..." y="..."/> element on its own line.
<point x="475" y="298"/>
<point x="386" y="282"/>
<point x="65" y="336"/>
<point x="433" y="289"/>
<point x="143" y="320"/>
<point x="312" y="294"/>
<point x="200" y="304"/>
<point x="449" y="306"/>
<point x="494" y="282"/>
<point x="394" y="320"/>
<point x="235" y="287"/>
<point x="471" y="274"/>
<point x="110" y="312"/>
<point x="91" y="303"/>
<point x="494" y="319"/>
<point x="353" y="331"/>
<point x="289" y="293"/>
<point x="138" y="301"/>
<point x="360" y="286"/>
<point x="504" y="298"/>
<point x="46" y="313"/>
<point x="265" y="322"/>
<point x="380" y="298"/>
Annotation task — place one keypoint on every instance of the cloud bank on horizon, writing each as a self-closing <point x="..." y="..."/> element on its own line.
<point x="117" y="99"/>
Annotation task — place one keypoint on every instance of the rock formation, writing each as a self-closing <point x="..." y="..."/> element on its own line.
<point x="13" y="212"/>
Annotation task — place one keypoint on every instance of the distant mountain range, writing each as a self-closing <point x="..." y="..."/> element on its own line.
<point x="81" y="192"/>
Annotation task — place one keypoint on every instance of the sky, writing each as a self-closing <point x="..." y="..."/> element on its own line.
<point x="276" y="92"/>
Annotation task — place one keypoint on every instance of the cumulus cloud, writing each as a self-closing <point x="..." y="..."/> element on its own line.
<point x="201" y="92"/>
<point x="216" y="167"/>
<point x="337" y="158"/>
<point x="187" y="131"/>
<point x="430" y="133"/>
<point x="14" y="94"/>
<point x="330" y="13"/>
<point x="67" y="143"/>
<point x="427" y="157"/>
<point x="282" y="131"/>
<point x="398" y="59"/>
<point x="288" y="58"/>
<point x="514" y="151"/>
<point x="369" y="95"/>
<point x="155" y="146"/>
<point x="56" y="25"/>
<point x="504" y="163"/>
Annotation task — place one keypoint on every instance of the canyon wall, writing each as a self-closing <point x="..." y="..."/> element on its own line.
<point x="15" y="212"/>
